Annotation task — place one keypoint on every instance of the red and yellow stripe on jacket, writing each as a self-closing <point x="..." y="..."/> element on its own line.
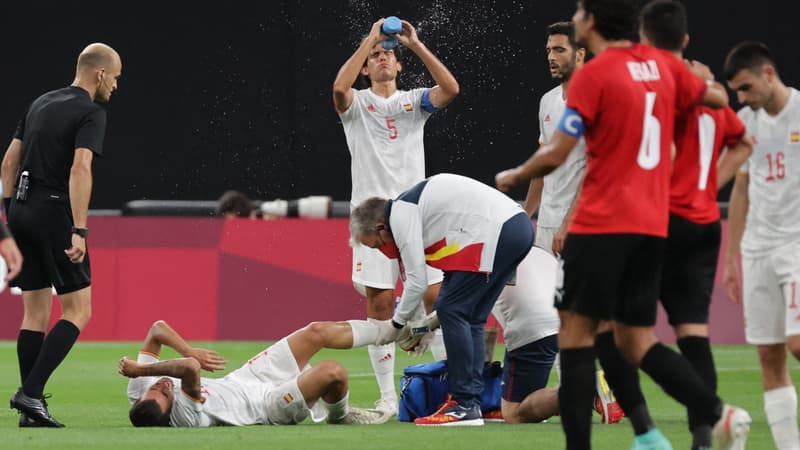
<point x="448" y="257"/>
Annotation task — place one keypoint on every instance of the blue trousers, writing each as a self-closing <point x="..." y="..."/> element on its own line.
<point x="464" y="303"/>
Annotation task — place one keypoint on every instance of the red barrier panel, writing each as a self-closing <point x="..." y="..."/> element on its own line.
<point x="278" y="275"/>
<point x="211" y="278"/>
<point x="239" y="279"/>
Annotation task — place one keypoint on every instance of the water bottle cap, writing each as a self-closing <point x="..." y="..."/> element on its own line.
<point x="392" y="25"/>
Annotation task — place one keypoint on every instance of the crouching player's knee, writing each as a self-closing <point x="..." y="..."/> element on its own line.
<point x="332" y="372"/>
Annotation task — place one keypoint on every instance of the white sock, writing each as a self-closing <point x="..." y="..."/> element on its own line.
<point x="364" y="332"/>
<point x="437" y="346"/>
<point x="337" y="411"/>
<point x="382" y="358"/>
<point x="781" y="407"/>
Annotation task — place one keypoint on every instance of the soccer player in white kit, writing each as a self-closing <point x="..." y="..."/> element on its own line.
<point x="554" y="195"/>
<point x="764" y="218"/>
<point x="384" y="130"/>
<point x="275" y="387"/>
<point x="530" y="329"/>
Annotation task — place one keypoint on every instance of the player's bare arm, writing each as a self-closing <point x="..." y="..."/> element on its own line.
<point x="544" y="161"/>
<point x="161" y="333"/>
<point x="534" y="196"/>
<point x="533" y="199"/>
<point x="446" y="88"/>
<point x="730" y="161"/>
<point x="80" y="190"/>
<point x="348" y="73"/>
<point x="737" y="213"/>
<point x="10" y="167"/>
<point x="187" y="369"/>
<point x="561" y="235"/>
<point x="716" y="96"/>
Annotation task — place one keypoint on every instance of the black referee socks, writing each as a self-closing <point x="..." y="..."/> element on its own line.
<point x="29" y="343"/>
<point x="55" y="348"/>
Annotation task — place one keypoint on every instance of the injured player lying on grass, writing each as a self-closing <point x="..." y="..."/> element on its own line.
<point x="277" y="386"/>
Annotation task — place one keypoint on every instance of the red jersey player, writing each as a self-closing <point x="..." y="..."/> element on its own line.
<point x="693" y="241"/>
<point x="624" y="103"/>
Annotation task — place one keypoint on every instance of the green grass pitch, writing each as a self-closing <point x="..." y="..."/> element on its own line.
<point x="89" y="397"/>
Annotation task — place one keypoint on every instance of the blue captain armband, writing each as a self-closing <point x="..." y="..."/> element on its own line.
<point x="425" y="102"/>
<point x="571" y="123"/>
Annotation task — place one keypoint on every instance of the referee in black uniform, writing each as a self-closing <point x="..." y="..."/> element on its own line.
<point x="47" y="183"/>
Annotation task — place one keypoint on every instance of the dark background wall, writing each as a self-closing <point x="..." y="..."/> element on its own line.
<point x="237" y="95"/>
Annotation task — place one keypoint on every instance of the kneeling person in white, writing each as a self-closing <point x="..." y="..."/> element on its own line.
<point x="530" y="329"/>
<point x="275" y="387"/>
<point x="530" y="325"/>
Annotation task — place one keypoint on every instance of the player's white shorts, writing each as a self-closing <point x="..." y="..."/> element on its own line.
<point x="372" y="268"/>
<point x="273" y="373"/>
<point x="770" y="291"/>
<point x="544" y="238"/>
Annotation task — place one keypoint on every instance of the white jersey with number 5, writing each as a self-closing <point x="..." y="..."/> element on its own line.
<point x="561" y="184"/>
<point x="773" y="217"/>
<point x="385" y="139"/>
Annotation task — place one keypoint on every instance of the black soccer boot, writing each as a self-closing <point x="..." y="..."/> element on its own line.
<point x="27" y="422"/>
<point x="35" y="409"/>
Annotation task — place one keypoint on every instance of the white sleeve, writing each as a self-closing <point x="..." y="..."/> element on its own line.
<point x="186" y="411"/>
<point x="350" y="113"/>
<point x="541" y="121"/>
<point x="406" y="225"/>
<point x="138" y="386"/>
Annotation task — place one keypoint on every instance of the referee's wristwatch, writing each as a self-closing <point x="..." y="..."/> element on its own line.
<point x="82" y="232"/>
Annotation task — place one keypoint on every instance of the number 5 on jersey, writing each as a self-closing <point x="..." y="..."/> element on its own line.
<point x="392" y="128"/>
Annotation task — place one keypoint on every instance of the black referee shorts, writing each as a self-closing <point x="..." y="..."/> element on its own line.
<point x="42" y="227"/>
<point x="612" y="277"/>
<point x="690" y="265"/>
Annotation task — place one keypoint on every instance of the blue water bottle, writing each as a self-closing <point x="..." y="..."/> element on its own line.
<point x="391" y="25"/>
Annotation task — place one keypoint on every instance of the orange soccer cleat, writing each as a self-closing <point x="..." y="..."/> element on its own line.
<point x="452" y="414"/>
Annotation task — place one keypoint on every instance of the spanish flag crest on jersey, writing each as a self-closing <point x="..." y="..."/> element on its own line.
<point x="408" y="107"/>
<point x="794" y="136"/>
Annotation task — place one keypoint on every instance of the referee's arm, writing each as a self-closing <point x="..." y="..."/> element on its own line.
<point x="10" y="253"/>
<point x="80" y="186"/>
<point x="80" y="191"/>
<point x="10" y="169"/>
<point x="8" y="172"/>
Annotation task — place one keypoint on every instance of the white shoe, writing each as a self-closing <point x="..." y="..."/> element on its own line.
<point x="387" y="405"/>
<point x="359" y="416"/>
<point x="732" y="428"/>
